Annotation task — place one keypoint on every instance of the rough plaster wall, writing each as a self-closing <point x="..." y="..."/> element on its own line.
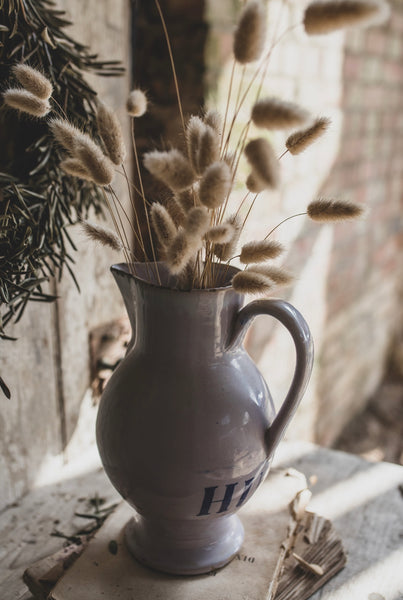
<point x="48" y="367"/>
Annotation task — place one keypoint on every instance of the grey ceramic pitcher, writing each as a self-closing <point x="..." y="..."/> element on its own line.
<point x="186" y="427"/>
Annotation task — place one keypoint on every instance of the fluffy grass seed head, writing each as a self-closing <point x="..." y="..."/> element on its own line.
<point x="187" y="198"/>
<point x="175" y="210"/>
<point x="197" y="221"/>
<point x="214" y="119"/>
<point x="254" y="184"/>
<point x="273" y="113"/>
<point x="182" y="250"/>
<point x="66" y="134"/>
<point x="171" y="167"/>
<point x="277" y="275"/>
<point x="209" y="150"/>
<point x="74" y="167"/>
<point x="220" y="234"/>
<point x="33" y="81"/>
<point x="298" y="141"/>
<point x="215" y="185"/>
<point x="264" y="163"/>
<point x="111" y="133"/>
<point x="97" y="164"/>
<point x="136" y="103"/>
<point x="163" y="224"/>
<point x="102" y="235"/>
<point x="194" y="131"/>
<point x="250" y="34"/>
<point x="257" y="252"/>
<point x="327" y="210"/>
<point x="26" y="102"/>
<point x="325" y="16"/>
<point x="226" y="251"/>
<point x="247" y="282"/>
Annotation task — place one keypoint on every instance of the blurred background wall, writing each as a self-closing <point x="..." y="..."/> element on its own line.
<point x="348" y="276"/>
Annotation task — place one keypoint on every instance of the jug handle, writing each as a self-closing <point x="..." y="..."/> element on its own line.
<point x="292" y="319"/>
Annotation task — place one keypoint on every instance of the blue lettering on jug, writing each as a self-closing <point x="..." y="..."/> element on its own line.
<point x="213" y="500"/>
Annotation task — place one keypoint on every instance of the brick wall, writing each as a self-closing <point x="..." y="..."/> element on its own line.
<point x="349" y="275"/>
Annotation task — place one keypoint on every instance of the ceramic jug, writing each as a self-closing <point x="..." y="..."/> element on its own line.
<point x="186" y="427"/>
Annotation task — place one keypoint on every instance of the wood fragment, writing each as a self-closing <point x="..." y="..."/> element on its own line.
<point x="42" y="576"/>
<point x="311" y="567"/>
<point x="326" y="551"/>
<point x="314" y="528"/>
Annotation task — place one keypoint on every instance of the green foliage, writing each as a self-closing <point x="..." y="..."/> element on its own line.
<point x="38" y="201"/>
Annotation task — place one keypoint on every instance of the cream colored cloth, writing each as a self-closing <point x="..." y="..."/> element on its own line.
<point x="100" y="574"/>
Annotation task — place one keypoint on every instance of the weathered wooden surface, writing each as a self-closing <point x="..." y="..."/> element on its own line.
<point x="362" y="499"/>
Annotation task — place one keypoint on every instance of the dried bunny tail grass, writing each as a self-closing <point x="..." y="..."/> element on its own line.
<point x="257" y="252"/>
<point x="97" y="164"/>
<point x="26" y="102"/>
<point x="273" y="113"/>
<point x="327" y="16"/>
<point x="326" y="210"/>
<point x="66" y="134"/>
<point x="136" y="104"/>
<point x="254" y="184"/>
<point x="300" y="140"/>
<point x="111" y="133"/>
<point x="197" y="221"/>
<point x="186" y="198"/>
<point x="163" y="224"/>
<point x="182" y="250"/>
<point x="227" y="251"/>
<point x="209" y="151"/>
<point x="220" y="234"/>
<point x="214" y="119"/>
<point x="175" y="210"/>
<point x="263" y="161"/>
<point x="194" y="131"/>
<point x="250" y="34"/>
<point x="215" y="185"/>
<point x="103" y="235"/>
<point x="74" y="167"/>
<point x="33" y="81"/>
<point x="171" y="167"/>
<point x="247" y="282"/>
<point x="277" y="275"/>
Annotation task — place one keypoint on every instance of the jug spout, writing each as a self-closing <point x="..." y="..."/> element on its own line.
<point x="125" y="284"/>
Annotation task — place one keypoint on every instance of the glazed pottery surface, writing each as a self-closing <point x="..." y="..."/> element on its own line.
<point x="186" y="426"/>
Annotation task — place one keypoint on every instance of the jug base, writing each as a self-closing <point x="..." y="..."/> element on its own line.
<point x="185" y="547"/>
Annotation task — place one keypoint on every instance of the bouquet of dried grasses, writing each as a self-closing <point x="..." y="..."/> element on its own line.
<point x="194" y="230"/>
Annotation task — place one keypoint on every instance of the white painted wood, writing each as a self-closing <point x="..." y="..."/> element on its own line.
<point x="29" y="421"/>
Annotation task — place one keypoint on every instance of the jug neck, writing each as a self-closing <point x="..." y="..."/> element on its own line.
<point x="177" y="323"/>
